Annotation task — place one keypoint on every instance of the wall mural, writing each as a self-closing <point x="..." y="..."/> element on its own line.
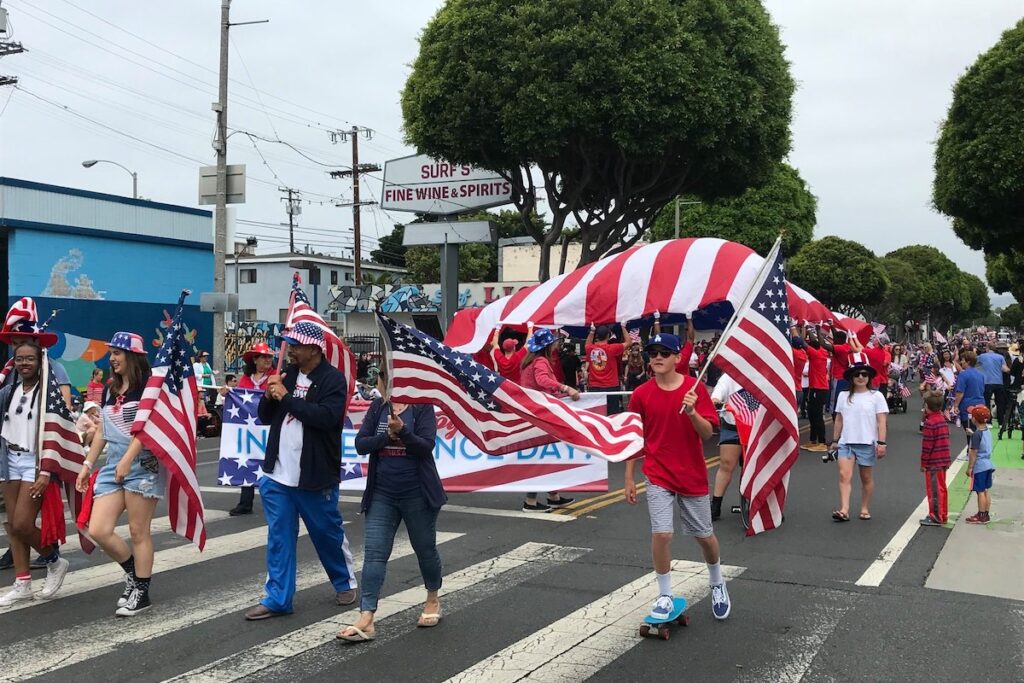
<point x="243" y="336"/>
<point x="59" y="284"/>
<point x="414" y="298"/>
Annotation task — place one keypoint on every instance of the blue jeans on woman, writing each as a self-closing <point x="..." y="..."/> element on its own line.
<point x="382" y="521"/>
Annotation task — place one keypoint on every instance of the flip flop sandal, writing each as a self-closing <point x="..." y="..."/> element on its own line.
<point x="359" y="636"/>
<point x="865" y="516"/>
<point x="431" y="620"/>
<point x="838" y="516"/>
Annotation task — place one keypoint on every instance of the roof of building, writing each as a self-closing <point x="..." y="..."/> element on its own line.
<point x="319" y="258"/>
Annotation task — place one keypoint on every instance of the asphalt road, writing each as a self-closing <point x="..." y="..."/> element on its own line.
<point x="535" y="598"/>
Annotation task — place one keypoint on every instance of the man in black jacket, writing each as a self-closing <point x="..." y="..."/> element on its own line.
<point x="305" y="409"/>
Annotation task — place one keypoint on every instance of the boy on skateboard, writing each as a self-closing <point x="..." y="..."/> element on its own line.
<point x="674" y="467"/>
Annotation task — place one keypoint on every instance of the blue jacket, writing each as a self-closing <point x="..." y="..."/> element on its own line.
<point x="419" y="443"/>
<point x="322" y="414"/>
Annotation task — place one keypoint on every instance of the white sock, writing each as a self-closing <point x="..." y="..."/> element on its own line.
<point x="665" y="583"/>
<point x="715" y="573"/>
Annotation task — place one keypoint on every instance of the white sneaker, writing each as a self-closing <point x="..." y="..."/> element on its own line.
<point x="55" y="573"/>
<point x="22" y="591"/>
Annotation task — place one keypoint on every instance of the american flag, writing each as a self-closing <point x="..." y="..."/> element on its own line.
<point x="242" y="436"/>
<point x="60" y="450"/>
<point x="497" y="415"/>
<point x="755" y="351"/>
<point x="338" y="354"/>
<point x="743" y="407"/>
<point x="166" y="425"/>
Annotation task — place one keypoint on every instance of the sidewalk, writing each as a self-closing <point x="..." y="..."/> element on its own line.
<point x="986" y="559"/>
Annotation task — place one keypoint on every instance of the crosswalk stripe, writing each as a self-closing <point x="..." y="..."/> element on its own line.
<point x="110" y="573"/>
<point x="65" y="647"/>
<point x="579" y="645"/>
<point x="539" y="557"/>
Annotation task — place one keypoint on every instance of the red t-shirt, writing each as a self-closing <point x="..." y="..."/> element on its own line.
<point x="683" y="366"/>
<point x="817" y="371"/>
<point x="673" y="451"/>
<point x="246" y="381"/>
<point x="876" y="359"/>
<point x="840" y="360"/>
<point x="509" y="368"/>
<point x="799" y="361"/>
<point x="604" y="358"/>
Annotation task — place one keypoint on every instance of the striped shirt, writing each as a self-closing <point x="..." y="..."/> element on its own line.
<point x="935" y="443"/>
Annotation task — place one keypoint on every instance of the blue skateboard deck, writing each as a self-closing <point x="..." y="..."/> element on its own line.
<point x="660" y="627"/>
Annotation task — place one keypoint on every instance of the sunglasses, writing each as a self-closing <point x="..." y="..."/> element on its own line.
<point x="662" y="353"/>
<point x="860" y="374"/>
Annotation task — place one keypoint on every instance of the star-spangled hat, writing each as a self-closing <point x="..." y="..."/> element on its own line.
<point x="541" y="339"/>
<point x="127" y="341"/>
<point x="305" y="333"/>
<point x="260" y="349"/>
<point x="858" y="363"/>
<point x="23" y="321"/>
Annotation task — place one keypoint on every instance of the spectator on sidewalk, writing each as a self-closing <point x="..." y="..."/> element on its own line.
<point x="935" y="458"/>
<point x="979" y="465"/>
<point x="94" y="390"/>
<point x="970" y="391"/>
<point x="89" y="422"/>
<point x="992" y="366"/>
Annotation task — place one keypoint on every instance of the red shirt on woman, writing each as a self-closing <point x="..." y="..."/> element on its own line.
<point x="247" y="382"/>
<point x="509" y="367"/>
<point x="817" y="370"/>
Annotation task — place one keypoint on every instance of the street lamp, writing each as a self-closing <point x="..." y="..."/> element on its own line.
<point x="135" y="176"/>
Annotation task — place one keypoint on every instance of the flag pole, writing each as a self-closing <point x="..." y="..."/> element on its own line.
<point x="282" y="350"/>
<point x="770" y="258"/>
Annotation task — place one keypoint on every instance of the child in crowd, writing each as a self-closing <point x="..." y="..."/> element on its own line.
<point x="678" y="417"/>
<point x="979" y="466"/>
<point x="935" y="457"/>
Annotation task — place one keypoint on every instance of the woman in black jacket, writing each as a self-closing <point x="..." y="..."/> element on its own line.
<point x="402" y="485"/>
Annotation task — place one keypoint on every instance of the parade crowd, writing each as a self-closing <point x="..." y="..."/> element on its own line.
<point x="653" y="372"/>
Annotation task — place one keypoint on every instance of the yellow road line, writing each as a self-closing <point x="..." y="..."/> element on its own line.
<point x="619" y="495"/>
<point x="584" y="502"/>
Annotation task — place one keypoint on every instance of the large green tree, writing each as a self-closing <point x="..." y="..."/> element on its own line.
<point x="844" y="275"/>
<point x="1013" y="317"/>
<point x="903" y="300"/>
<point x="979" y="305"/>
<point x="944" y="294"/>
<point x="1005" y="273"/>
<point x="390" y="250"/>
<point x="617" y="106"/>
<point x="979" y="159"/>
<point x="754" y="218"/>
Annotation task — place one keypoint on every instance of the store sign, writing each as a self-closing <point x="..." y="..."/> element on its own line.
<point x="424" y="185"/>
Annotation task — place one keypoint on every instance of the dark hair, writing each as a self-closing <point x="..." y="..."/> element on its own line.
<point x="136" y="373"/>
<point x="33" y="344"/>
<point x="95" y="370"/>
<point x="533" y="355"/>
<point x="228" y="377"/>
<point x="249" y="367"/>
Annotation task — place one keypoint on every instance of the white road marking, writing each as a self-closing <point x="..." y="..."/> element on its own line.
<point x="65" y="647"/>
<point x="110" y="573"/>
<point x="879" y="569"/>
<point x="248" y="662"/>
<point x="801" y="645"/>
<point x="579" y="645"/>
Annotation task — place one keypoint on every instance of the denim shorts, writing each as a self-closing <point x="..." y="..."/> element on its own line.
<point x="982" y="481"/>
<point x="21" y="466"/>
<point x="147" y="477"/>
<point x="727" y="436"/>
<point x="863" y="452"/>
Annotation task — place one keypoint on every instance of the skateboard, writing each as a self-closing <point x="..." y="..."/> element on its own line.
<point x="743" y="509"/>
<point x="660" y="627"/>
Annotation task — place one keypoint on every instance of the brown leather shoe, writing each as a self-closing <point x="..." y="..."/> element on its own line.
<point x="261" y="611"/>
<point x="345" y="598"/>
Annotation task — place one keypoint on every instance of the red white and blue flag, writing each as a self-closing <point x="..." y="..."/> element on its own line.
<point x="166" y="425"/>
<point x="497" y="415"/>
<point x="336" y="351"/>
<point x="756" y="351"/>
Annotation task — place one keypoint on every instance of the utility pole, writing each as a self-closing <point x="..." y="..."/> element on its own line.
<point x="7" y="47"/>
<point x="294" y="208"/>
<point x="220" y="147"/>
<point x="357" y="168"/>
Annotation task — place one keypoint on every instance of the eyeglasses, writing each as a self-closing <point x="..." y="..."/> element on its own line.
<point x="662" y="353"/>
<point x="25" y="360"/>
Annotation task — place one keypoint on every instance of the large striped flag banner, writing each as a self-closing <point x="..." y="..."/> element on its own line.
<point x="61" y="454"/>
<point x="166" y="424"/>
<point x="497" y="415"/>
<point x="338" y="353"/>
<point x="755" y="350"/>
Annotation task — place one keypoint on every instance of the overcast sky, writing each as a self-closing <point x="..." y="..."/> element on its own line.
<point x="873" y="79"/>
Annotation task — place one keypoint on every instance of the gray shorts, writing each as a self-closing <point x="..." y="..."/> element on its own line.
<point x="694" y="512"/>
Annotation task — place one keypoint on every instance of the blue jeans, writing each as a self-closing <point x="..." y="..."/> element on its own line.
<point x="379" y="536"/>
<point x="282" y="506"/>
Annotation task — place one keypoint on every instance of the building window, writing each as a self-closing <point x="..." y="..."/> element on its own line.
<point x="282" y="315"/>
<point x="246" y="314"/>
<point x="334" y="277"/>
<point x="247" y="275"/>
<point x="348" y="277"/>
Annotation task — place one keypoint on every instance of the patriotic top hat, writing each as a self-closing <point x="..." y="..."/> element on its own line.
<point x="260" y="349"/>
<point x="127" y="341"/>
<point x="859" y="363"/>
<point x="22" y="321"/>
<point x="305" y="333"/>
